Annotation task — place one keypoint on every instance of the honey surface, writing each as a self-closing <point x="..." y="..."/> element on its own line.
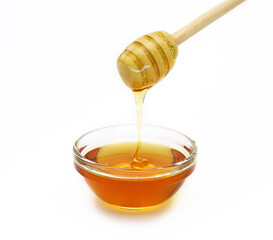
<point x="120" y="155"/>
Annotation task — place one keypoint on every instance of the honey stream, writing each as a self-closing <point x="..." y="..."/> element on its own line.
<point x="139" y="162"/>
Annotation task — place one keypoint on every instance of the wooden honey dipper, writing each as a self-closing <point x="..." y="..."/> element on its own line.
<point x="149" y="59"/>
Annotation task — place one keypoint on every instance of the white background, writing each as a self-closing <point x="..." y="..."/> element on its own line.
<point x="59" y="80"/>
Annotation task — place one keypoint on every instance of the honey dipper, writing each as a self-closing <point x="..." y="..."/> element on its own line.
<point x="149" y="59"/>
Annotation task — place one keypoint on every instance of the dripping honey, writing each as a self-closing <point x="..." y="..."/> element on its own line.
<point x="133" y="190"/>
<point x="139" y="162"/>
<point x="136" y="175"/>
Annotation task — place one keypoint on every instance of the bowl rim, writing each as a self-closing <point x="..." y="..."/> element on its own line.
<point x="178" y="166"/>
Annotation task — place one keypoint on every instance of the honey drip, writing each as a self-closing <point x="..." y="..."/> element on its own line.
<point x="139" y="162"/>
<point x="143" y="64"/>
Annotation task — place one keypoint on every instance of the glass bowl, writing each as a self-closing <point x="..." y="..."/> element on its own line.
<point x="134" y="188"/>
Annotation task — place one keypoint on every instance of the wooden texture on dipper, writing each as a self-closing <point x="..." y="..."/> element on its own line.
<point x="204" y="20"/>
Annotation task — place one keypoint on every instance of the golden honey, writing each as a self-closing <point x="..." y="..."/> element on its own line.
<point x="123" y="185"/>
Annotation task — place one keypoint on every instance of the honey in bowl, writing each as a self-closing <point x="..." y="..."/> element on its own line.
<point x="108" y="171"/>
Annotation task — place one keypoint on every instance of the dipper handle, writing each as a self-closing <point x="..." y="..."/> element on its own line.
<point x="204" y="20"/>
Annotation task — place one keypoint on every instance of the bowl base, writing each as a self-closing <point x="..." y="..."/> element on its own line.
<point x="122" y="209"/>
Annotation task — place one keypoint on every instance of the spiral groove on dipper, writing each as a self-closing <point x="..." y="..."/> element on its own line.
<point x="147" y="60"/>
<point x="161" y="51"/>
<point x="150" y="57"/>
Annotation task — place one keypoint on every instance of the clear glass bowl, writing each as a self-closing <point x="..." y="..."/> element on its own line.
<point x="134" y="188"/>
